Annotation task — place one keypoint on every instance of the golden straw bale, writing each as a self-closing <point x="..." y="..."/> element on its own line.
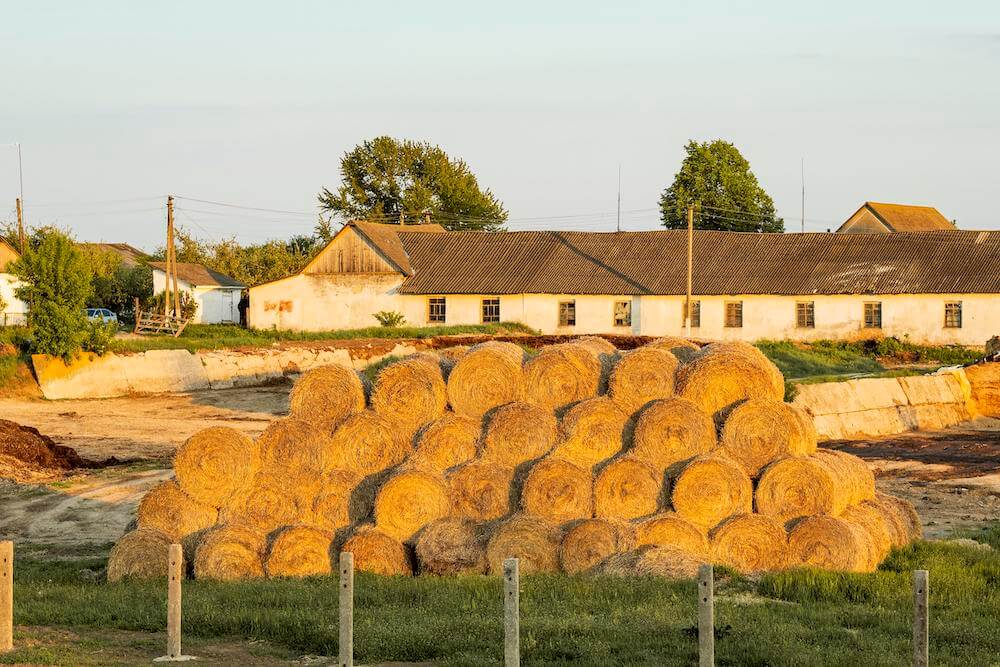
<point x="410" y="392"/>
<point x="277" y="496"/>
<point x="333" y="509"/>
<point x="726" y="373"/>
<point x="488" y="375"/>
<point x="628" y="488"/>
<point x="869" y="519"/>
<point x="642" y="375"/>
<point x="140" y="554"/>
<point x="447" y="442"/>
<point x="518" y="432"/>
<point x="654" y="561"/>
<point x="531" y="539"/>
<point x="410" y="500"/>
<point x="174" y="513"/>
<point x="591" y="431"/>
<point x="297" y="442"/>
<point x="710" y="489"/>
<point x="452" y="545"/>
<point x="760" y="431"/>
<point x="670" y="530"/>
<point x="827" y="542"/>
<point x="480" y="490"/>
<point x="750" y="543"/>
<point x="378" y="553"/>
<point x="230" y="552"/>
<point x="685" y="350"/>
<point x="562" y="374"/>
<point x="366" y="443"/>
<point x="299" y="551"/>
<point x="801" y="486"/>
<point x="215" y="463"/>
<point x="327" y="395"/>
<point x="671" y="431"/>
<point x="588" y="542"/>
<point x="914" y="529"/>
<point x="854" y="473"/>
<point x="596" y="344"/>
<point x="896" y="524"/>
<point x="558" y="490"/>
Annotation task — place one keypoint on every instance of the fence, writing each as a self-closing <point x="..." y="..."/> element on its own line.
<point x="13" y="319"/>
<point x="511" y="614"/>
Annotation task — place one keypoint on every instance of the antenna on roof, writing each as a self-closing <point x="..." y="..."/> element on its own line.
<point x="803" y="174"/>
<point x="618" y="226"/>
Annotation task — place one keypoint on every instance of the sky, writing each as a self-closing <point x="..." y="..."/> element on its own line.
<point x="117" y="104"/>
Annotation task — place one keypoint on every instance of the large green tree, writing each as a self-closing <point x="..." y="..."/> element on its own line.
<point x="384" y="177"/>
<point x="717" y="178"/>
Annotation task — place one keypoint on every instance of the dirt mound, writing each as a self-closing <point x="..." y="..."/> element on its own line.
<point x="27" y="455"/>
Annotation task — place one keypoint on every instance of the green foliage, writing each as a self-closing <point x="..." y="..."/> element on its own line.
<point x="188" y="305"/>
<point x="384" y="177"/>
<point x="390" y="319"/>
<point x="717" y="176"/>
<point x="115" y="285"/>
<point x="800" y="360"/>
<point x="57" y="284"/>
<point x="99" y="336"/>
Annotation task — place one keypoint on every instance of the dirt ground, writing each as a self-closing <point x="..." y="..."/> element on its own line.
<point x="951" y="476"/>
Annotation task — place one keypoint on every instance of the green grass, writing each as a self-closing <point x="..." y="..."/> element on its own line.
<point x="804" y="360"/>
<point x="801" y="617"/>
<point x="217" y="336"/>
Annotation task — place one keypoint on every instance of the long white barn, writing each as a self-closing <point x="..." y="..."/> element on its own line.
<point x="939" y="287"/>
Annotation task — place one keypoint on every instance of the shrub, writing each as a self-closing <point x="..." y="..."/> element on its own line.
<point x="188" y="305"/>
<point x="389" y="319"/>
<point x="99" y="336"/>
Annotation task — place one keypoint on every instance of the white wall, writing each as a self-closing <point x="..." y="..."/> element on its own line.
<point x="15" y="311"/>
<point x="313" y="302"/>
<point x="216" y="305"/>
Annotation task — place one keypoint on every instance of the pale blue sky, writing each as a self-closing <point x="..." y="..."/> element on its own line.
<point x="254" y="103"/>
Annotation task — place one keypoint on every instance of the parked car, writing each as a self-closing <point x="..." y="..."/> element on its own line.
<point x="101" y="315"/>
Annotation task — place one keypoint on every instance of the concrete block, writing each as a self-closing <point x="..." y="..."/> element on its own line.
<point x="164" y="371"/>
<point x="873" y="393"/>
<point x="87" y="376"/>
<point x="930" y="389"/>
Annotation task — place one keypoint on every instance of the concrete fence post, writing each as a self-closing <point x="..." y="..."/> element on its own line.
<point x="346" y="623"/>
<point x="921" y="619"/>
<point x="512" y="613"/>
<point x="175" y="574"/>
<point x="706" y="616"/>
<point x="6" y="596"/>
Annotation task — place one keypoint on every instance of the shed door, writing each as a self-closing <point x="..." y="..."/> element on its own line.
<point x="229" y="306"/>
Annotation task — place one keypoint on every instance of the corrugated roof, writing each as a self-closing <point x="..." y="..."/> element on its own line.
<point x="199" y="275"/>
<point x="655" y="262"/>
<point x="385" y="238"/>
<point x="907" y="218"/>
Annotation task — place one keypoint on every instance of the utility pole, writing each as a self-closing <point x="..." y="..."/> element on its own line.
<point x="173" y="255"/>
<point x="170" y="237"/>
<point x="803" y="168"/>
<point x="20" y="225"/>
<point x="687" y="302"/>
<point x="619" y="226"/>
<point x="402" y="221"/>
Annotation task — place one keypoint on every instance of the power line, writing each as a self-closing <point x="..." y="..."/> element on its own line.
<point x="247" y="208"/>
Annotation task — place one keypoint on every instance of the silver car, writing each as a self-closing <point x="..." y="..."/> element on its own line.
<point x="101" y="315"/>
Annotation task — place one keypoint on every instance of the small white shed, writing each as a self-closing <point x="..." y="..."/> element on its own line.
<point x="12" y="310"/>
<point x="217" y="295"/>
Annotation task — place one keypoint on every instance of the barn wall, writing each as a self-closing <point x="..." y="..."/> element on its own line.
<point x="349" y="253"/>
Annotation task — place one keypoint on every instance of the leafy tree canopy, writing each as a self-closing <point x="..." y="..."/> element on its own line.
<point x="383" y="177"/>
<point x="717" y="176"/>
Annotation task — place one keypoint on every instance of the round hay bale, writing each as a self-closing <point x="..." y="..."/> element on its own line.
<point x="591" y="431"/>
<point x="670" y="431"/>
<point x="868" y="518"/>
<point x="670" y="530"/>
<point x="854" y="474"/>
<point x="215" y="463"/>
<point x="169" y="510"/>
<point x="562" y="374"/>
<point x="642" y="375"/>
<point x="826" y="542"/>
<point x="327" y="395"/>
<point x="654" y="561"/>
<point x="906" y="516"/>
<point x="596" y="344"/>
<point x="487" y="376"/>
<point x="452" y="545"/>
<point x="333" y="509"/>
<point x="588" y="542"/>
<point x="628" y="488"/>
<point x="296" y="442"/>
<point x="480" y="490"/>
<point x="760" y="431"/>
<point x="531" y="539"/>
<point x="378" y="553"/>
<point x="446" y="442"/>
<point x="518" y="432"/>
<point x="277" y="497"/>
<point x="558" y="490"/>
<point x="896" y="525"/>
<point x="299" y="551"/>
<point x="685" y="350"/>
<point x="410" y="500"/>
<point x="366" y="443"/>
<point x="710" y="489"/>
<point x="726" y="373"/>
<point x="801" y="486"/>
<point x="410" y="393"/>
<point x="141" y="554"/>
<point x="228" y="553"/>
<point x="750" y="543"/>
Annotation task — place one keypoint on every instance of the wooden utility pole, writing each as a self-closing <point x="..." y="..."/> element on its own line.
<point x="171" y="262"/>
<point x="20" y="225"/>
<point x="166" y="283"/>
<point x="402" y="221"/>
<point x="687" y="301"/>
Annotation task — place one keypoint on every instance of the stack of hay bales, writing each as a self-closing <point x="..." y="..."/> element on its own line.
<point x="576" y="459"/>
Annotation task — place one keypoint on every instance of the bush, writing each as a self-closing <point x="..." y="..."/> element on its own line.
<point x="390" y="320"/>
<point x="99" y="336"/>
<point x="188" y="305"/>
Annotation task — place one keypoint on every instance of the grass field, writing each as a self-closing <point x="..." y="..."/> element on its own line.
<point x="800" y="617"/>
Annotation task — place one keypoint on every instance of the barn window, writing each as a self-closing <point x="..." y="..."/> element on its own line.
<point x="734" y="314"/>
<point x="436" y="310"/>
<point x="695" y="314"/>
<point x="491" y="310"/>
<point x="567" y="313"/>
<point x="623" y="313"/>
<point x="805" y="314"/>
<point x="873" y="314"/>
<point x="953" y="315"/>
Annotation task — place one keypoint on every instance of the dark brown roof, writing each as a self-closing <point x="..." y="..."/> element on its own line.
<point x="386" y="240"/>
<point x="198" y="275"/>
<point x="131" y="256"/>
<point x="655" y="262"/>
